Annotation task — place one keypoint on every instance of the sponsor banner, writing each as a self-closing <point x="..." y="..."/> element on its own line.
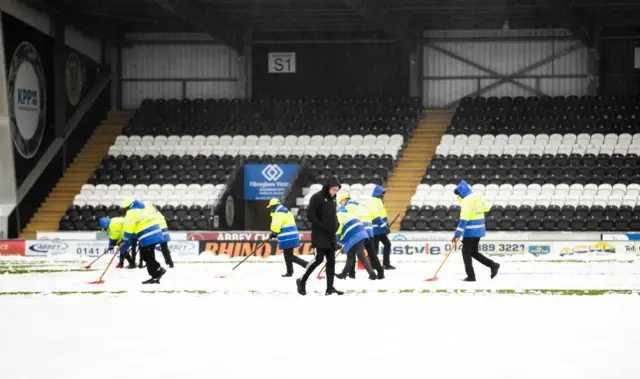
<point x="12" y="247"/>
<point x="500" y="236"/>
<point x="234" y="249"/>
<point x="182" y="249"/>
<point x="492" y="248"/>
<point x="595" y="248"/>
<point x="236" y="236"/>
<point x="88" y="248"/>
<point x="266" y="181"/>
<point x="47" y="248"/>
<point x="620" y="237"/>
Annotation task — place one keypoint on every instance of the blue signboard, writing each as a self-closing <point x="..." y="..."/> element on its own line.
<point x="266" y="181"/>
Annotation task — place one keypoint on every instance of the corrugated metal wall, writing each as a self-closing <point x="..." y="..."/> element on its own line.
<point x="446" y="78"/>
<point x="172" y="67"/>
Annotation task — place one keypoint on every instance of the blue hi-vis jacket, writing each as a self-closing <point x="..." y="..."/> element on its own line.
<point x="362" y="214"/>
<point x="140" y="222"/>
<point x="161" y="221"/>
<point x="377" y="212"/>
<point x="472" y="210"/>
<point x="284" y="225"/>
<point x="351" y="231"/>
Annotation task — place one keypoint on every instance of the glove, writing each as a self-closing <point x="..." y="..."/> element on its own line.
<point x="338" y="246"/>
<point x="455" y="240"/>
<point x="387" y="231"/>
<point x="272" y="236"/>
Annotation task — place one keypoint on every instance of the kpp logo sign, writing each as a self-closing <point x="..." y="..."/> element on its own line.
<point x="272" y="172"/>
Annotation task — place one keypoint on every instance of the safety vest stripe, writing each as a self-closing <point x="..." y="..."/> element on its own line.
<point x="150" y="233"/>
<point x="288" y="234"/>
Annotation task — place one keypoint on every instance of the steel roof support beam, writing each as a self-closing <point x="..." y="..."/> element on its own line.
<point x="505" y="78"/>
<point x="515" y="75"/>
<point x="207" y="20"/>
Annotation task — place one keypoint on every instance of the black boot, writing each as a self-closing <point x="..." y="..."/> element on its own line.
<point x="170" y="265"/>
<point x="380" y="274"/>
<point x="331" y="291"/>
<point x="373" y="277"/>
<point x="494" y="270"/>
<point x="287" y="275"/>
<point x="301" y="287"/>
<point x="156" y="280"/>
<point x="467" y="279"/>
<point x="352" y="275"/>
<point x="341" y="275"/>
<point x="389" y="267"/>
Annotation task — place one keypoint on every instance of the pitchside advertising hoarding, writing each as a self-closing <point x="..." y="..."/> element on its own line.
<point x="267" y="181"/>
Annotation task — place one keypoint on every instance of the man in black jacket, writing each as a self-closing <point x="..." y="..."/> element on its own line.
<point x="324" y="225"/>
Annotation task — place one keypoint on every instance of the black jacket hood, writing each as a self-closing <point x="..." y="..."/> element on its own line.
<point x="332" y="182"/>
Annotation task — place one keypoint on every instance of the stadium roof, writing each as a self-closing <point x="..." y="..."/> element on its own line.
<point x="226" y="19"/>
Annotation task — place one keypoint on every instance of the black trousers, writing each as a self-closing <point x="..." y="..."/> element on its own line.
<point x="373" y="256"/>
<point x="317" y="260"/>
<point x="166" y="253"/>
<point x="469" y="251"/>
<point x="148" y="254"/>
<point x="357" y="251"/>
<point x="290" y="258"/>
<point x="386" y="253"/>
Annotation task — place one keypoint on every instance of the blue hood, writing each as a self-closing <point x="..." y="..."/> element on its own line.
<point x="463" y="189"/>
<point x="349" y="202"/>
<point x="104" y="222"/>
<point x="281" y="209"/>
<point x="378" y="191"/>
<point x="342" y="209"/>
<point x="137" y="204"/>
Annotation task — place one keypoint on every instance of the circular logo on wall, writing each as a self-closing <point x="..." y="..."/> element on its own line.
<point x="229" y="210"/>
<point x="27" y="99"/>
<point x="74" y="79"/>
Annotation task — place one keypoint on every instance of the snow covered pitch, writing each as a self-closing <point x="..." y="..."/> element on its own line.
<point x="537" y="319"/>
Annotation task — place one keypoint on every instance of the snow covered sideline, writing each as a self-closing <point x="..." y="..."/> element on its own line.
<point x="244" y="336"/>
<point x="263" y="276"/>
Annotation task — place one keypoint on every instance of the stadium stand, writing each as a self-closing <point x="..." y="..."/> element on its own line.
<point x="181" y="155"/>
<point x="525" y="157"/>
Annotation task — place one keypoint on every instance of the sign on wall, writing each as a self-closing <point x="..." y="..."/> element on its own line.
<point x="27" y="99"/>
<point x="282" y="63"/>
<point x="266" y="181"/>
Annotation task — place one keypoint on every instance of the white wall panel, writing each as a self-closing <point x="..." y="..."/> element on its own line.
<point x="505" y="52"/>
<point x="212" y="90"/>
<point x="439" y="64"/>
<point x="189" y="65"/>
<point x="438" y="93"/>
<point x="178" y="62"/>
<point x="563" y="87"/>
<point x="134" y="92"/>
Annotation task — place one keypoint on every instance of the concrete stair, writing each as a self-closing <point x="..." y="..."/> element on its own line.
<point x="414" y="161"/>
<point x="48" y="216"/>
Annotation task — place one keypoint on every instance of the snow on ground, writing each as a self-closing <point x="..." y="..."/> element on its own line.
<point x="258" y="275"/>
<point x="252" y="324"/>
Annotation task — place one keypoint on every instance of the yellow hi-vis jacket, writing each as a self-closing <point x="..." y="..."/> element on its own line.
<point x="141" y="222"/>
<point x="284" y="225"/>
<point x="472" y="210"/>
<point x="115" y="231"/>
<point x="378" y="212"/>
<point x="161" y="221"/>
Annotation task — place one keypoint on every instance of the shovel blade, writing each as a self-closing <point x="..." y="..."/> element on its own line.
<point x="431" y="279"/>
<point x="97" y="282"/>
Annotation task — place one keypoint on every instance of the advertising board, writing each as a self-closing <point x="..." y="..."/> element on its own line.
<point x="234" y="249"/>
<point x="12" y="247"/>
<point x="266" y="181"/>
<point x="236" y="236"/>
